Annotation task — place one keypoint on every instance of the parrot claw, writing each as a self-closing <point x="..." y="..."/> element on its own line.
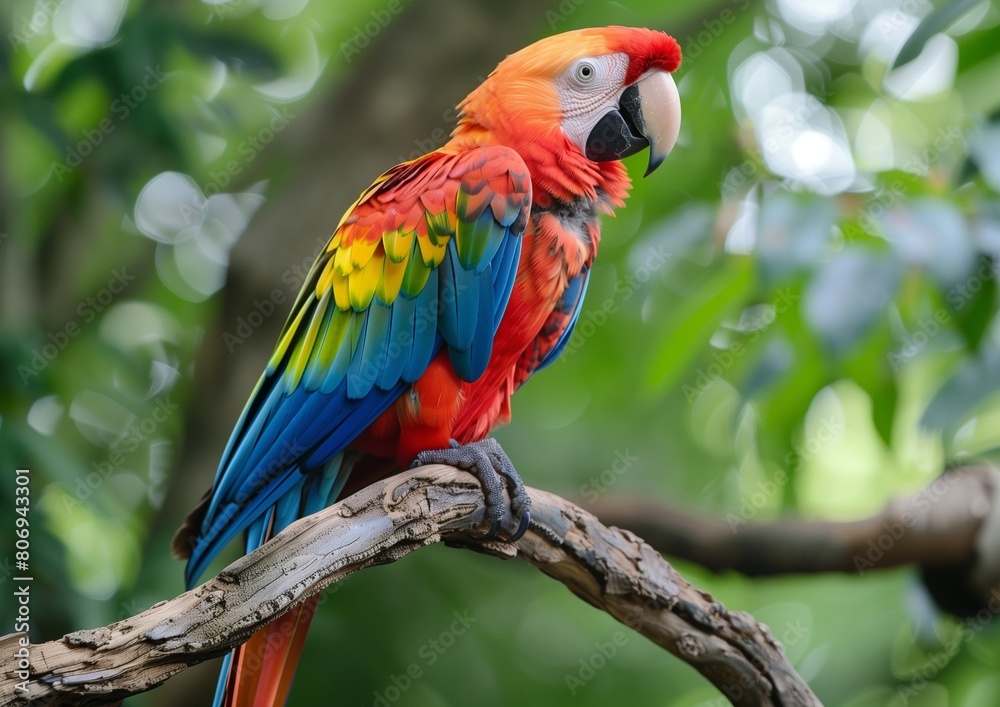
<point x="487" y="461"/>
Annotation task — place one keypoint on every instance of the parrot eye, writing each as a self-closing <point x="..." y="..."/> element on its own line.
<point x="585" y="72"/>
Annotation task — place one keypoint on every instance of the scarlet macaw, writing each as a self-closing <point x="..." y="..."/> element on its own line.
<point x="452" y="279"/>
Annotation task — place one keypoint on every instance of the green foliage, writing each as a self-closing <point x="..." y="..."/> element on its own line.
<point x="803" y="300"/>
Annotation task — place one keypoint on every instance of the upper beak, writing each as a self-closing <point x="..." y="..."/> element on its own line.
<point x="648" y="115"/>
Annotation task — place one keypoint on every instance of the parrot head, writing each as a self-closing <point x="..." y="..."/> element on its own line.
<point x="575" y="103"/>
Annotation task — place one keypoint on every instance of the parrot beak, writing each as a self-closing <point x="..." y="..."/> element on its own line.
<point x="648" y="115"/>
<point x="659" y="116"/>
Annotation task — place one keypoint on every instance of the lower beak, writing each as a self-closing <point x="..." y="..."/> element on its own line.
<point x="648" y="115"/>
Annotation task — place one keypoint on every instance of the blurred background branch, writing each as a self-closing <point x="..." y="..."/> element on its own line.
<point x="948" y="530"/>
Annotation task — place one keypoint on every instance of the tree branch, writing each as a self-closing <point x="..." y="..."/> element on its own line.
<point x="611" y="569"/>
<point x="950" y="530"/>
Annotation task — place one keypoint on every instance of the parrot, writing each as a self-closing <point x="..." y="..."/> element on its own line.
<point x="451" y="280"/>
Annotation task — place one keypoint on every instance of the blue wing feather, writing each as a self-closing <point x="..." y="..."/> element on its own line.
<point x="471" y="362"/>
<point x="572" y="300"/>
<point x="460" y="297"/>
<point x="326" y="486"/>
<point x="425" y="326"/>
<point x="504" y="269"/>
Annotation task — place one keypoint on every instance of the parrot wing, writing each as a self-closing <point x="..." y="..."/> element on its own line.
<point x="563" y="319"/>
<point x="425" y="259"/>
<point x="556" y="331"/>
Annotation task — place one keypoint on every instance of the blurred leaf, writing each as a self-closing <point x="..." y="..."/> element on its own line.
<point x="692" y="326"/>
<point x="870" y="368"/>
<point x="849" y="294"/>
<point x="974" y="302"/>
<point x="239" y="53"/>
<point x="932" y="234"/>
<point x="794" y="231"/>
<point x="977" y="378"/>
<point x="986" y="226"/>
<point x="884" y="403"/>
<point x="62" y="464"/>
<point x="978" y="47"/>
<point x="938" y="21"/>
<point x="99" y="64"/>
<point x="41" y="114"/>
<point x="777" y="359"/>
<point x="984" y="153"/>
<point x="683" y="231"/>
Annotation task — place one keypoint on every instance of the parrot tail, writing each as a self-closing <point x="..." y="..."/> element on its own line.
<point x="259" y="673"/>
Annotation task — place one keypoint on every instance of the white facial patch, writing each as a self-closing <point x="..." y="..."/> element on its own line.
<point x="588" y="89"/>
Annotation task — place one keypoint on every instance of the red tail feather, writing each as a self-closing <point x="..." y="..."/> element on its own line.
<point x="262" y="669"/>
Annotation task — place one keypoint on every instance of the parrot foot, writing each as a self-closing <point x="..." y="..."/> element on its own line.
<point x="487" y="461"/>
